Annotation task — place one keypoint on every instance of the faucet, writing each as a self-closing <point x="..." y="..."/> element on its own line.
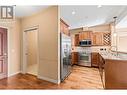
<point x="116" y="49"/>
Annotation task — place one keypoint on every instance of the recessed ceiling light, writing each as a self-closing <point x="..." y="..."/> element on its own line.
<point x="73" y="12"/>
<point x="99" y="6"/>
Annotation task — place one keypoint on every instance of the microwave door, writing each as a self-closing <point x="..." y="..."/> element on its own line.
<point x="89" y="42"/>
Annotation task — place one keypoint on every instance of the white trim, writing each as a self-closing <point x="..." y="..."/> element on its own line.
<point x="14" y="73"/>
<point x="48" y="79"/>
<point x="58" y="45"/>
<point x="8" y="47"/>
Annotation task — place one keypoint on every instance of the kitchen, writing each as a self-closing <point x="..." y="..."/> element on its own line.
<point x="96" y="43"/>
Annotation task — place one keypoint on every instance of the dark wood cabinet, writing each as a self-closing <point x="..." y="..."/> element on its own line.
<point x="74" y="58"/>
<point x="95" y="59"/>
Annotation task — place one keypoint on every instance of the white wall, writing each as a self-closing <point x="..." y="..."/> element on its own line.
<point x="122" y="40"/>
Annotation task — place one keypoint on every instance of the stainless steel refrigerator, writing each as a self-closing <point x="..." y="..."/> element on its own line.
<point x="65" y="56"/>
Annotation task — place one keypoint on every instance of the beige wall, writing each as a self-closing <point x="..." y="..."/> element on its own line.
<point x="47" y="20"/>
<point x="98" y="28"/>
<point x="13" y="45"/>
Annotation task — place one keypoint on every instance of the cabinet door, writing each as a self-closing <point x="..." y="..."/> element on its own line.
<point x="94" y="59"/>
<point x="80" y="36"/>
<point x="85" y="35"/>
<point x="93" y="39"/>
<point x="97" y="39"/>
<point x="76" y="40"/>
<point x="74" y="58"/>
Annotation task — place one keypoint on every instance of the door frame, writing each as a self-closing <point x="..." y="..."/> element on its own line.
<point x="8" y="49"/>
<point x="24" y="65"/>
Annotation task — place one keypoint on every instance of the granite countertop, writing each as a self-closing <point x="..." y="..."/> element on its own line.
<point x="112" y="56"/>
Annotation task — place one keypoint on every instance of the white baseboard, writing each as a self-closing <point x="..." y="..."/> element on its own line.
<point x="14" y="73"/>
<point x="48" y="79"/>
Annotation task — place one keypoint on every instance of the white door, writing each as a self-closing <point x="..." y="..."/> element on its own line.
<point x="31" y="52"/>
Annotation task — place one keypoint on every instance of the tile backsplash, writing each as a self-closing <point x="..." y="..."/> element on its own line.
<point x="100" y="48"/>
<point x="91" y="49"/>
<point x="81" y="49"/>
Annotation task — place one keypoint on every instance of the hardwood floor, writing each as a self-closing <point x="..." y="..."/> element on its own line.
<point x="80" y="78"/>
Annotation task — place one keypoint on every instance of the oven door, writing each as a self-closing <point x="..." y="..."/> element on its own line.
<point x="85" y="59"/>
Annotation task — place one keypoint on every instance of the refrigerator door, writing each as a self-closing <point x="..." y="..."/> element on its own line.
<point x="65" y="56"/>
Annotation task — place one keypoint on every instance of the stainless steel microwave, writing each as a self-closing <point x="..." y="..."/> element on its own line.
<point x="86" y="42"/>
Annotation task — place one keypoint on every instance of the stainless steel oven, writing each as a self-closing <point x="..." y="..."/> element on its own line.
<point x="85" y="58"/>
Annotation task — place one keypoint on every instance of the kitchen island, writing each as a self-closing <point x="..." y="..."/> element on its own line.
<point x="113" y="71"/>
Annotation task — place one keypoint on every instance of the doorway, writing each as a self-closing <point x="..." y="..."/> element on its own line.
<point x="31" y="51"/>
<point x="3" y="53"/>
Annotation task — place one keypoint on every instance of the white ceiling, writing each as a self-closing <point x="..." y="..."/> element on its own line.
<point x="122" y="23"/>
<point x="22" y="11"/>
<point x="90" y="15"/>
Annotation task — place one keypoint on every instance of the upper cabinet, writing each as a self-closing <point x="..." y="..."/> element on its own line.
<point x="85" y="35"/>
<point x="76" y="40"/>
<point x="64" y="28"/>
<point x="100" y="35"/>
<point x="101" y="38"/>
<point x="97" y="38"/>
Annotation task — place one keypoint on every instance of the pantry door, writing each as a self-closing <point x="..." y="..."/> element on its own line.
<point x="3" y="53"/>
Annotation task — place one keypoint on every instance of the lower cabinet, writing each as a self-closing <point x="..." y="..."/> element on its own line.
<point x="115" y="74"/>
<point x="95" y="59"/>
<point x="74" y="58"/>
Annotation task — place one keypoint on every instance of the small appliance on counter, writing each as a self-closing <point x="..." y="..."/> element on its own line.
<point x="85" y="43"/>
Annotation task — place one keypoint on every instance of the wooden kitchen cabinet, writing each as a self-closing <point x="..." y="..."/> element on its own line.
<point x="101" y="38"/>
<point x="74" y="58"/>
<point x="115" y="74"/>
<point x="76" y="40"/>
<point x="95" y="59"/>
<point x="85" y="35"/>
<point x="64" y="27"/>
<point x="97" y="39"/>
